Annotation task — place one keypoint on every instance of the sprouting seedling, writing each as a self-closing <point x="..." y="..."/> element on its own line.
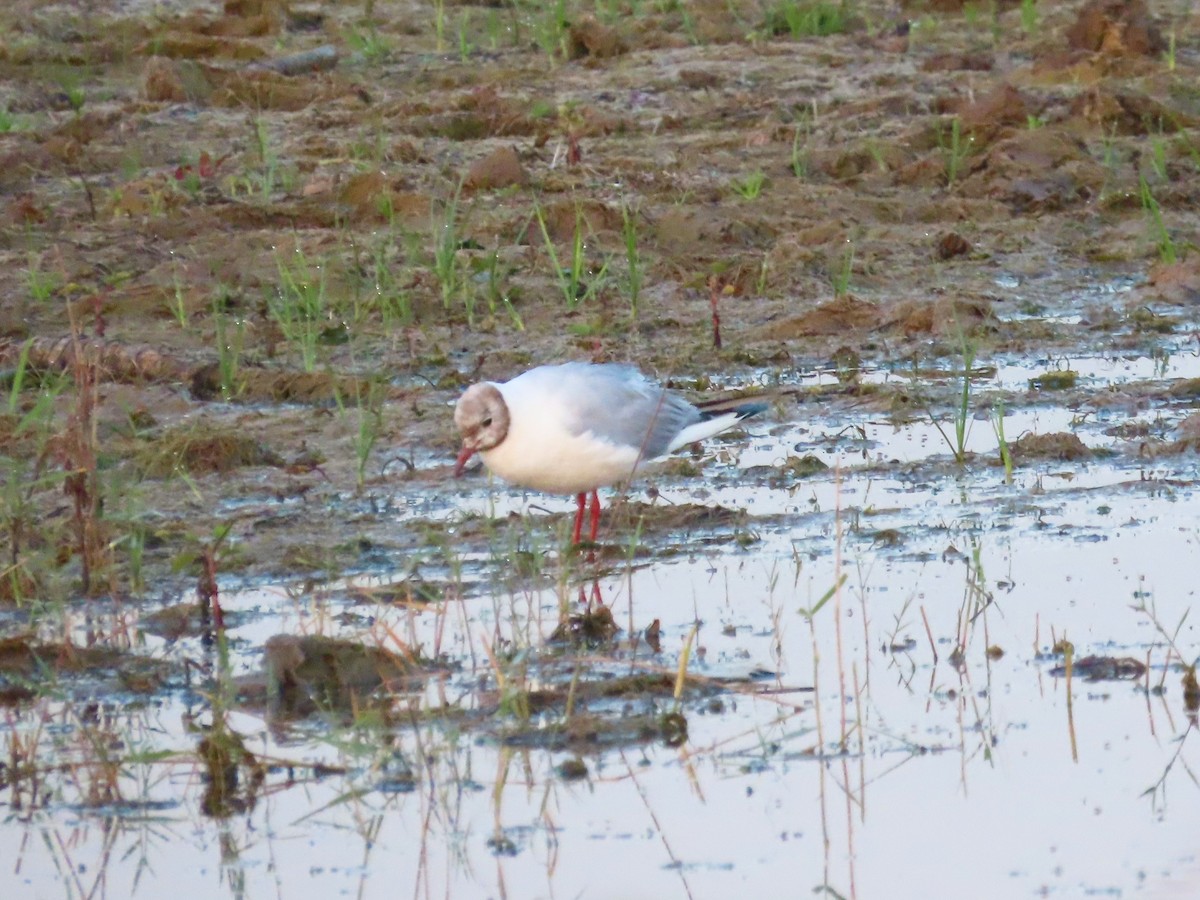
<point x="42" y="284"/>
<point x="1111" y="154"/>
<point x="800" y="145"/>
<point x="370" y="44"/>
<point x="25" y="476"/>
<point x="74" y="93"/>
<point x="1158" y="154"/>
<point x="439" y="24"/>
<point x="1029" y="16"/>
<point x="496" y="290"/>
<point x="494" y="29"/>
<point x="576" y="280"/>
<point x="552" y="30"/>
<point x="962" y="415"/>
<point x="1006" y="459"/>
<point x="271" y="175"/>
<point x="300" y="304"/>
<point x="18" y="378"/>
<point x="841" y="278"/>
<point x="1166" y="245"/>
<point x="764" y="274"/>
<point x="962" y="412"/>
<point x="229" y="349"/>
<point x="464" y="39"/>
<point x="750" y="186"/>
<point x="955" y="149"/>
<point x="178" y="301"/>
<point x="1111" y="157"/>
<point x="368" y="402"/>
<point x="446" y="244"/>
<point x="383" y="293"/>
<point x="877" y="154"/>
<point x="817" y="18"/>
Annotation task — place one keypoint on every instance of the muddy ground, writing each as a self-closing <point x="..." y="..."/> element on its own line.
<point x="251" y="253"/>
<point x="312" y="263"/>
<point x="373" y="235"/>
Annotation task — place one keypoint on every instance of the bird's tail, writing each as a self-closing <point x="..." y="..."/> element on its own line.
<point x="738" y="406"/>
<point x="716" y="416"/>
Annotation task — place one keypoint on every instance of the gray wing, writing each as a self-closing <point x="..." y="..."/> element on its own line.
<point x="618" y="404"/>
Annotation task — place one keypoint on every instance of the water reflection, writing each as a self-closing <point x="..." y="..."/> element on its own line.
<point x="849" y="677"/>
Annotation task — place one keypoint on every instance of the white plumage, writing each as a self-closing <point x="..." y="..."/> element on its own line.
<point x="574" y="427"/>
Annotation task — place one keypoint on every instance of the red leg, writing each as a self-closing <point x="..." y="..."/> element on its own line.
<point x="581" y="500"/>
<point x="595" y="514"/>
<point x="595" y="600"/>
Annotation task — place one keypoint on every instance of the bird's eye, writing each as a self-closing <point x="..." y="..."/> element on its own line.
<point x="487" y="423"/>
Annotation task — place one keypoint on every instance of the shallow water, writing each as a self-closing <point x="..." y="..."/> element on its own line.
<point x="909" y="771"/>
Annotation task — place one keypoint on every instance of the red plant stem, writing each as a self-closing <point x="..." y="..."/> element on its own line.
<point x="714" y="291"/>
<point x="209" y="594"/>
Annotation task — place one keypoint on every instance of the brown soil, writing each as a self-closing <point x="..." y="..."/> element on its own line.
<point x="260" y="254"/>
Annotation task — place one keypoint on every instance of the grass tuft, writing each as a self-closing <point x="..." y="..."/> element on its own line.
<point x="819" y="18"/>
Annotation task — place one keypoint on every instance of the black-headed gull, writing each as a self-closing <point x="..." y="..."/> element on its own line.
<point x="575" y="427"/>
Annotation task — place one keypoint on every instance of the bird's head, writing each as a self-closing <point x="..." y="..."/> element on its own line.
<point x="481" y="417"/>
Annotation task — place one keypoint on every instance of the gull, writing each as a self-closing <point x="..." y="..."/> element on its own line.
<point x="575" y="427"/>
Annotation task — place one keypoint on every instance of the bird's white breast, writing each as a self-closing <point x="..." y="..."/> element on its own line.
<point x="543" y="450"/>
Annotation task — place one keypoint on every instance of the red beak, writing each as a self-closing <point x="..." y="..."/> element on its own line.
<point x="461" y="463"/>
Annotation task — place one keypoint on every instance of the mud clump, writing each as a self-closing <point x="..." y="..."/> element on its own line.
<point x="1002" y="107"/>
<point x="1176" y="282"/>
<point x="311" y="672"/>
<point x="952" y="244"/>
<point x="1059" y="446"/>
<point x="25" y="662"/>
<point x="1103" y="668"/>
<point x="846" y="313"/>
<point x="594" y="627"/>
<point x="679" y="517"/>
<point x="1189" y="428"/>
<point x="793" y="469"/>
<point x="943" y="317"/>
<point x="1062" y="380"/>
<point x="208" y="382"/>
<point x="201" y="452"/>
<point x="1187" y="389"/>
<point x="499" y="169"/>
<point x="1037" y="170"/>
<point x="587" y="37"/>
<point x="1116" y="28"/>
<point x="162" y="83"/>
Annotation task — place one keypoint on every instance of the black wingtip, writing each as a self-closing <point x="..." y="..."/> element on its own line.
<point x="742" y="411"/>
<point x="750" y="409"/>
